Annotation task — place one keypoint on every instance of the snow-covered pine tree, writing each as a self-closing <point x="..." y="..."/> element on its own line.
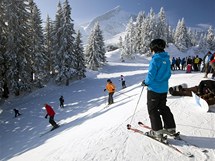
<point x="181" y="38"/>
<point x="56" y="37"/>
<point x="100" y="42"/>
<point x="170" y="35"/>
<point x="202" y="44"/>
<point x="2" y="47"/>
<point x="79" y="57"/>
<point x="125" y="48"/>
<point x="162" y="26"/>
<point x="65" y="52"/>
<point x="120" y="42"/>
<point x="148" y="31"/>
<point x="153" y="25"/>
<point x="129" y="40"/>
<point x="48" y="45"/>
<point x="95" y="53"/>
<point x="210" y="39"/>
<point x="92" y="59"/>
<point x="38" y="57"/>
<point x="17" y="55"/>
<point x="194" y="36"/>
<point x="121" y="48"/>
<point x="138" y="26"/>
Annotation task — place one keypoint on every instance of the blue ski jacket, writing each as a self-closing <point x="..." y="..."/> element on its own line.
<point x="159" y="73"/>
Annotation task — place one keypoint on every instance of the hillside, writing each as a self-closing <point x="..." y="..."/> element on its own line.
<point x="91" y="132"/>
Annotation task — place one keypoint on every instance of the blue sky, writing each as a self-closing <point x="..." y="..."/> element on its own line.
<point x="195" y="12"/>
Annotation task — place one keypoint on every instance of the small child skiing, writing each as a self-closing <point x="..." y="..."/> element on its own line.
<point x="122" y="78"/>
<point x="16" y="112"/>
<point x="61" y="99"/>
<point x="51" y="114"/>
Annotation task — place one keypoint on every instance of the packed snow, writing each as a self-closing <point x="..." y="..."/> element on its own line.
<point x="92" y="131"/>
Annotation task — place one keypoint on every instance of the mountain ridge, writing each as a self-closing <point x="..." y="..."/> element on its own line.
<point x="111" y="23"/>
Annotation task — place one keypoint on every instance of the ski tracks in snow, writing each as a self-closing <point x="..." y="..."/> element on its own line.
<point x="109" y="148"/>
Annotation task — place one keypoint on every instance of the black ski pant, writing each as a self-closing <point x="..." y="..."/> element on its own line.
<point x="110" y="98"/>
<point x="51" y="121"/>
<point x="16" y="112"/>
<point x="61" y="104"/>
<point x="156" y="103"/>
<point x="123" y="84"/>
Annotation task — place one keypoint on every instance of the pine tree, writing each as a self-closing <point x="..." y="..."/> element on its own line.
<point x="137" y="28"/>
<point x="146" y="35"/>
<point x="100" y="42"/>
<point x="79" y="57"/>
<point x="202" y="45"/>
<point x="152" y="25"/>
<point x="193" y="36"/>
<point x="56" y="37"/>
<point x="210" y="39"/>
<point x="92" y="59"/>
<point x="129" y="40"/>
<point x="48" y="45"/>
<point x="170" y="36"/>
<point x="181" y="37"/>
<point x="95" y="52"/>
<point x="162" y="27"/>
<point x="3" y="64"/>
<point x="37" y="50"/>
<point x="121" y="49"/>
<point x="65" y="53"/>
<point x="120" y="42"/>
<point x="17" y="55"/>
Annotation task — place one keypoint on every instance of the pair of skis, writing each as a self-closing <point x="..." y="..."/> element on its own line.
<point x="46" y="132"/>
<point x="165" y="143"/>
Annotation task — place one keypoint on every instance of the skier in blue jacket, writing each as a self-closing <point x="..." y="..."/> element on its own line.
<point x="157" y="81"/>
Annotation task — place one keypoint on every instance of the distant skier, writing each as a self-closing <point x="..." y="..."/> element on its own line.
<point x="207" y="66"/>
<point x="157" y="82"/>
<point x="16" y="112"/>
<point x="61" y="99"/>
<point x="122" y="79"/>
<point x="51" y="114"/>
<point x="110" y="87"/>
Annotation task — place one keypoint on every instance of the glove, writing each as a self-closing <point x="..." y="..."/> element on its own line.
<point x="104" y="90"/>
<point x="46" y="116"/>
<point x="143" y="83"/>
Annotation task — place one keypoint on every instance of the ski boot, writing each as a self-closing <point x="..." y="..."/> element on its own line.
<point x="172" y="132"/>
<point x="158" y="135"/>
<point x="55" y="127"/>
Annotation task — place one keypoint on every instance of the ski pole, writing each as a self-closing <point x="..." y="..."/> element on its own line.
<point x="135" y="108"/>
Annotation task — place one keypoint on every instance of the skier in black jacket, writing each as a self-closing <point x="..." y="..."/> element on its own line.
<point x="61" y="99"/>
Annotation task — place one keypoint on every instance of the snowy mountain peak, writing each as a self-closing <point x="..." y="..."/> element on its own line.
<point x="112" y="22"/>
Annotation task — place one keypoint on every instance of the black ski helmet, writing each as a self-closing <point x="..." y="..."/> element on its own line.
<point x="108" y="80"/>
<point x="157" y="45"/>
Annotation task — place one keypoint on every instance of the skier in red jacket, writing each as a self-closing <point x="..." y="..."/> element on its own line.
<point x="51" y="114"/>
